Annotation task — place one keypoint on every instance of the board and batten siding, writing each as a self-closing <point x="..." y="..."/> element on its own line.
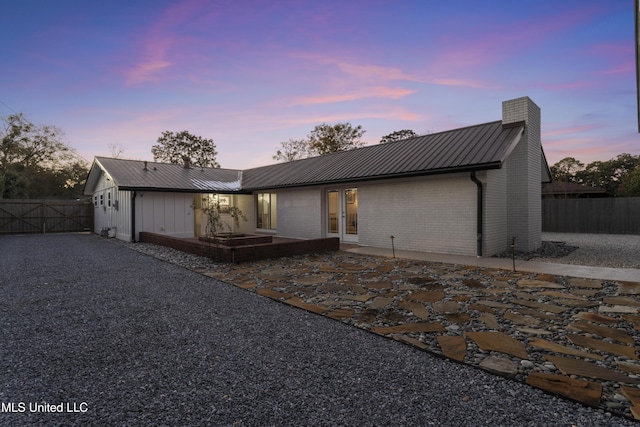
<point x="431" y="214"/>
<point x="165" y="213"/>
<point x="102" y="199"/>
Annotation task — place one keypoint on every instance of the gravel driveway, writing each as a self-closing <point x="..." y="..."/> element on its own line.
<point x="125" y="339"/>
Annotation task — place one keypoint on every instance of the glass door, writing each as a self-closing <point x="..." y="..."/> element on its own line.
<point x="342" y="214"/>
<point x="350" y="215"/>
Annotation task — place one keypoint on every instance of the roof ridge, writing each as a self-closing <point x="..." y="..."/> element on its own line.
<point x="151" y="162"/>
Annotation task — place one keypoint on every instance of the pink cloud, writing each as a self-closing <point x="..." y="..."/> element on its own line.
<point x="580" y="85"/>
<point x="364" y="93"/>
<point x="621" y="58"/>
<point x="159" y="41"/>
<point x="384" y="113"/>
<point x="476" y="84"/>
<point x="373" y="73"/>
<point x="569" y="130"/>
<point x="487" y="46"/>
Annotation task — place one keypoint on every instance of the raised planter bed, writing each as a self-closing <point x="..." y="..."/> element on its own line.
<point x="246" y="252"/>
<point x="238" y="239"/>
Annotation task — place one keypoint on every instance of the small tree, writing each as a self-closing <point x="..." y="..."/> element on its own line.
<point x="215" y="225"/>
<point x="173" y="147"/>
<point x="398" y="136"/>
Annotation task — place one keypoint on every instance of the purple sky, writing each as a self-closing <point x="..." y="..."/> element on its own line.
<point x="251" y="74"/>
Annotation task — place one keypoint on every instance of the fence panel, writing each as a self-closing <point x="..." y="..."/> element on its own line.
<point x="45" y="216"/>
<point x="604" y="216"/>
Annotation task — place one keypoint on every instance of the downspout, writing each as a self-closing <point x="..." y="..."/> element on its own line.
<point x="479" y="214"/>
<point x="133" y="216"/>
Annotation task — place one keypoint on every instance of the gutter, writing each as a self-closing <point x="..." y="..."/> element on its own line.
<point x="133" y="216"/>
<point x="475" y="179"/>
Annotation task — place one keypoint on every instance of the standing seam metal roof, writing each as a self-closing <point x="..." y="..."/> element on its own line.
<point x="132" y="175"/>
<point x="478" y="147"/>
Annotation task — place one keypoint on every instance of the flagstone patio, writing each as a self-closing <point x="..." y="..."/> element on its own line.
<point x="570" y="336"/>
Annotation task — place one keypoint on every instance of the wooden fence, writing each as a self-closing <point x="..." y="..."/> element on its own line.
<point x="45" y="216"/>
<point x="615" y="215"/>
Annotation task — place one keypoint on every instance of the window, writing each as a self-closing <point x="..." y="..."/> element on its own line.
<point x="101" y="199"/>
<point x="109" y="199"/>
<point x="95" y="201"/>
<point x="266" y="215"/>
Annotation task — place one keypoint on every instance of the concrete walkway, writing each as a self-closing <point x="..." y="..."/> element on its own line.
<point x="587" y="272"/>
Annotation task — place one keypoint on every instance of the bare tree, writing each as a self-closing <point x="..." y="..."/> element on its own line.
<point x="116" y="150"/>
<point x="294" y="149"/>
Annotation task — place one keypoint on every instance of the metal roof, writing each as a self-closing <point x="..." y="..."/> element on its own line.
<point x="132" y="175"/>
<point x="478" y="147"/>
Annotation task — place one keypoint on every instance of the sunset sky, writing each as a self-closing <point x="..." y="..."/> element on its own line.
<point x="250" y="74"/>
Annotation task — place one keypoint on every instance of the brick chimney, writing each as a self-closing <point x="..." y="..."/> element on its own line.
<point x="524" y="175"/>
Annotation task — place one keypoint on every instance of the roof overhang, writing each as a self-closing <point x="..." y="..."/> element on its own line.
<point x="183" y="190"/>
<point x="96" y="171"/>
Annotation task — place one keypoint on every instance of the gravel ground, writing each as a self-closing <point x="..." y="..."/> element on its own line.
<point x="601" y="250"/>
<point x="127" y="339"/>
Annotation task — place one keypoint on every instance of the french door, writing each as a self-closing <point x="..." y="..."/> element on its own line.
<point x="342" y="214"/>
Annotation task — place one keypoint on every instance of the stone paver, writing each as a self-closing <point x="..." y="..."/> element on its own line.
<point x="574" y="337"/>
<point x="499" y="341"/>
<point x="589" y="369"/>
<point x="558" y="348"/>
<point x="587" y="392"/>
<point x="598" y="344"/>
<point x="453" y="346"/>
<point x="500" y="366"/>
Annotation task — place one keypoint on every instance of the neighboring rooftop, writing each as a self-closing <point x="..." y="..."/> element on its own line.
<point x="560" y="189"/>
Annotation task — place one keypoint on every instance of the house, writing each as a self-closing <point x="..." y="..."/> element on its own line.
<point x="466" y="191"/>
<point x="571" y="190"/>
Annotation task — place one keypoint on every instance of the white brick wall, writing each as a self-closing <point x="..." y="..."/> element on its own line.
<point x="523" y="175"/>
<point x="495" y="236"/>
<point x="300" y="213"/>
<point x="431" y="214"/>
